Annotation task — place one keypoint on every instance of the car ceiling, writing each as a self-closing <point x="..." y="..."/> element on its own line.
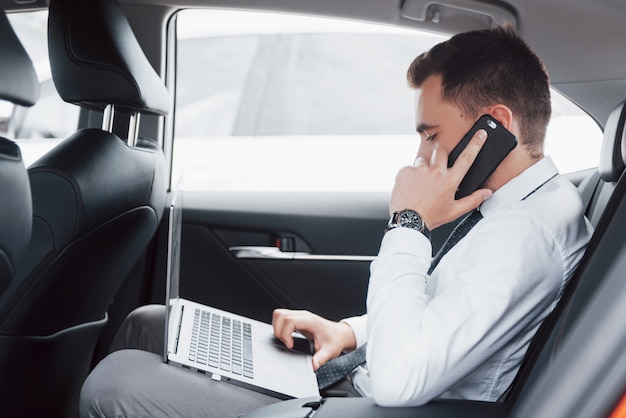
<point x="579" y="40"/>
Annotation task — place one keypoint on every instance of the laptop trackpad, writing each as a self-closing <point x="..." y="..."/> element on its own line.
<point x="285" y="366"/>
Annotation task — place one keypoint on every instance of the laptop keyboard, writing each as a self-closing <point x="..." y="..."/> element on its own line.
<point x="222" y="343"/>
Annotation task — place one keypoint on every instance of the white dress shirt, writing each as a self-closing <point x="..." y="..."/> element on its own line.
<point x="463" y="331"/>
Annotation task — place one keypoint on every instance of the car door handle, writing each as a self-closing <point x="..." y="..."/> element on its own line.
<point x="274" y="253"/>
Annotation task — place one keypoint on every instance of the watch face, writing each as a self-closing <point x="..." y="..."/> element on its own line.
<point x="410" y="219"/>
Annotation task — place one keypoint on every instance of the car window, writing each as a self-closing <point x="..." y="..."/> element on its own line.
<point x="271" y="102"/>
<point x="40" y="127"/>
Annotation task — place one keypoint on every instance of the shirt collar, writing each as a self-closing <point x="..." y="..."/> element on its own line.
<point x="521" y="186"/>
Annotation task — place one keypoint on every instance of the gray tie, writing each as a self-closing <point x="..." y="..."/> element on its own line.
<point x="339" y="367"/>
<point x="459" y="232"/>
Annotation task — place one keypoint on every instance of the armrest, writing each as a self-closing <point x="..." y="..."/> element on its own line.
<point x="366" y="408"/>
<point x="293" y="408"/>
<point x="448" y="408"/>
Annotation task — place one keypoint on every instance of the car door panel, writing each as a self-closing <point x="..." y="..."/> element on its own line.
<point x="320" y="246"/>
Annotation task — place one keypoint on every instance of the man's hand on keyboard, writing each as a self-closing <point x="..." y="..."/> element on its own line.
<point x="330" y="338"/>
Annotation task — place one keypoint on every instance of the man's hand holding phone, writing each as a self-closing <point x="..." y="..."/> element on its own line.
<point x="429" y="187"/>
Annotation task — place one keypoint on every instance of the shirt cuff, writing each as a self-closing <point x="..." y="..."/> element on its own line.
<point x="359" y="328"/>
<point x="406" y="240"/>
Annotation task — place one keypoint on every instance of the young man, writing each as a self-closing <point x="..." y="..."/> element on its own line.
<point x="455" y="330"/>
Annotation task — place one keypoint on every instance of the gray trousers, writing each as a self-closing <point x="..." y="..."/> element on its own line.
<point x="134" y="382"/>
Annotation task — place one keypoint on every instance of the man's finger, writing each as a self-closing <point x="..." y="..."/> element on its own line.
<point x="439" y="157"/>
<point x="286" y="321"/>
<point x="283" y="327"/>
<point x="320" y="358"/>
<point x="466" y="158"/>
<point x="472" y="201"/>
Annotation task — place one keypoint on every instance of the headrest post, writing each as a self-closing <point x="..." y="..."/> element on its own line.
<point x="107" y="118"/>
<point x="133" y="128"/>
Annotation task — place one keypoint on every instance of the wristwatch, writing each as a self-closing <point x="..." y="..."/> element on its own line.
<point x="408" y="218"/>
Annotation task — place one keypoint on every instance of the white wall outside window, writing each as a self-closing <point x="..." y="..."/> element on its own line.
<point x="285" y="103"/>
<point x="282" y="102"/>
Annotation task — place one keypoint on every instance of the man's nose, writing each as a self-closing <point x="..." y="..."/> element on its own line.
<point x="424" y="151"/>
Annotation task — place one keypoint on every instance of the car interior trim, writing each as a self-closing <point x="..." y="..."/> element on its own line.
<point x="436" y="11"/>
<point x="275" y="253"/>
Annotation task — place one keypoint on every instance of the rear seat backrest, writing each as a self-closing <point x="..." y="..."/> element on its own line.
<point x="591" y="316"/>
<point x="605" y="205"/>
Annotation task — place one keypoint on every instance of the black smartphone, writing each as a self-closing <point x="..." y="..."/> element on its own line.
<point x="500" y="142"/>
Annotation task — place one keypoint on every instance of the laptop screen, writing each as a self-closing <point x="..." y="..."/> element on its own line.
<point x="173" y="266"/>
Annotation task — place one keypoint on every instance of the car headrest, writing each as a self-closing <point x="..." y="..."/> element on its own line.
<point x="16" y="210"/>
<point x="611" y="163"/>
<point x="96" y="59"/>
<point x="18" y="79"/>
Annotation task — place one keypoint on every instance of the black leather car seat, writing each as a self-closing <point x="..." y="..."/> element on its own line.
<point x="601" y="187"/>
<point x="580" y="371"/>
<point x="97" y="202"/>
<point x="608" y="209"/>
<point x="18" y="85"/>
<point x="15" y="209"/>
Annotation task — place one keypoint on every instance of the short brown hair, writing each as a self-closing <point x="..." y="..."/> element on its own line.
<point x="482" y="68"/>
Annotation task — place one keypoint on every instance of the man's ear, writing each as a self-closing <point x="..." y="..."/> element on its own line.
<point x="502" y="114"/>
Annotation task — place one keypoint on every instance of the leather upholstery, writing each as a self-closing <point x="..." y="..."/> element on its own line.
<point x="19" y="85"/>
<point x="18" y="79"/>
<point x="96" y="204"/>
<point x="15" y="210"/>
<point x="92" y="40"/>
<point x="601" y="252"/>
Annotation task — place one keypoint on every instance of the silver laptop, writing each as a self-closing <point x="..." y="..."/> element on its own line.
<point x="224" y="346"/>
